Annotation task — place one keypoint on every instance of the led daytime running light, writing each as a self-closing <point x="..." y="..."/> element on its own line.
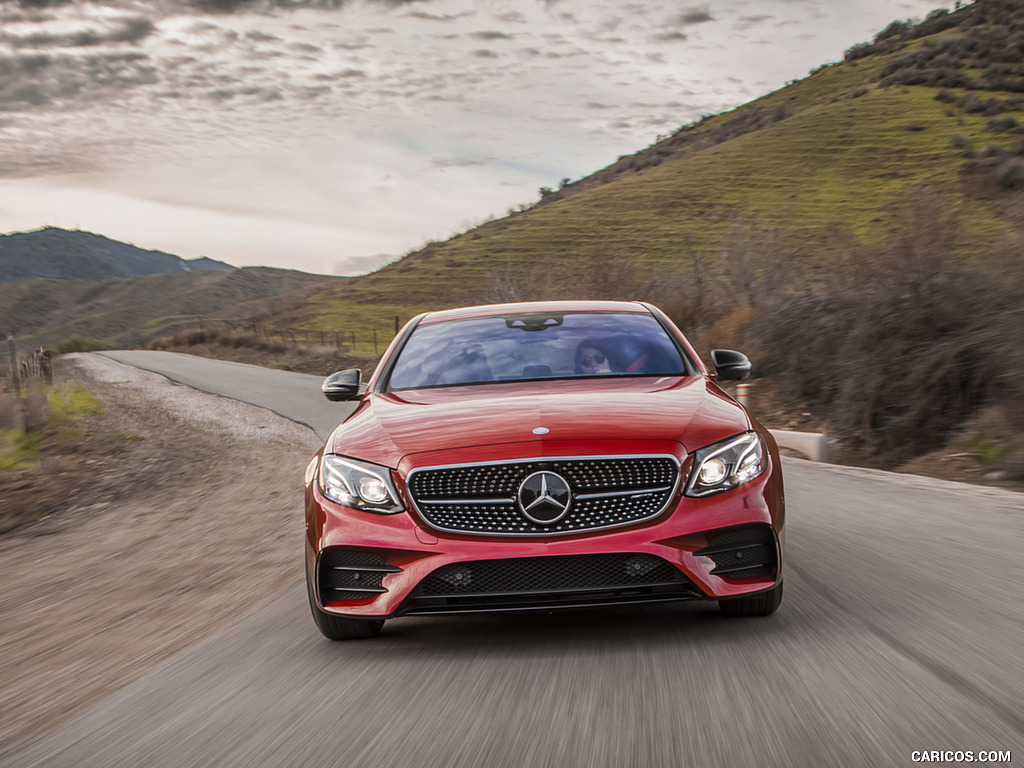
<point x="358" y="485"/>
<point x="726" y="465"/>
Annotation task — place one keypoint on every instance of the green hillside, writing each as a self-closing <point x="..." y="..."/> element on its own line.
<point x="836" y="154"/>
<point x="130" y="312"/>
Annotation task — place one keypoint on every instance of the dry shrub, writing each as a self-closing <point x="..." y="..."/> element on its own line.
<point x="898" y="373"/>
<point x="1010" y="174"/>
<point x="900" y="344"/>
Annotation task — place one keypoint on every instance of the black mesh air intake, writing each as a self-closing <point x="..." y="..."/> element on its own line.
<point x="346" y="574"/>
<point x="742" y="552"/>
<point x="548" y="582"/>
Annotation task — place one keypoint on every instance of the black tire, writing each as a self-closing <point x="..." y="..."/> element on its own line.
<point x="763" y="604"/>
<point x="336" y="627"/>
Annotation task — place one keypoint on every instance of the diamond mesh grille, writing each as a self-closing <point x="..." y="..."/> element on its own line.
<point x="482" y="498"/>
<point x="549" y="574"/>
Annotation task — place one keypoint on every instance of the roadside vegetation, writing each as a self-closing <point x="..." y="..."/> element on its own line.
<point x="40" y="434"/>
<point x="302" y="351"/>
<point x="18" y="450"/>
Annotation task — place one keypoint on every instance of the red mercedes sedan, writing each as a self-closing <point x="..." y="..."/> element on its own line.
<point x="541" y="456"/>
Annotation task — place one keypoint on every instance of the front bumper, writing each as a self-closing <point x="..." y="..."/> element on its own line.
<point x="403" y="552"/>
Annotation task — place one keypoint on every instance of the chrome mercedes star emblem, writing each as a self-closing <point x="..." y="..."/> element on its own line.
<point x="545" y="497"/>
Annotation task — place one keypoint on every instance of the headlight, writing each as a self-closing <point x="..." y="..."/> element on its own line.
<point x="358" y="485"/>
<point x="726" y="465"/>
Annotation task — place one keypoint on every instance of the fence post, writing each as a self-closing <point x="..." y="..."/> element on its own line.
<point x="46" y="364"/>
<point x="12" y="355"/>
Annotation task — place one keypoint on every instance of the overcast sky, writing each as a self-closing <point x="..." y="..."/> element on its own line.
<point x="334" y="135"/>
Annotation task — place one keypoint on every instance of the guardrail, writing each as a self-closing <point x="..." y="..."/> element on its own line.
<point x="813" y="445"/>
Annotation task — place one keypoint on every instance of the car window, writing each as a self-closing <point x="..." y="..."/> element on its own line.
<point x="539" y="346"/>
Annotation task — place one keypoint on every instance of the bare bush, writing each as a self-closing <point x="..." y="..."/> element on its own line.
<point x="900" y="374"/>
<point x="901" y="345"/>
<point x="1010" y="174"/>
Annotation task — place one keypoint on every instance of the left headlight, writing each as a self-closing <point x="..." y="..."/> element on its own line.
<point x="726" y="465"/>
<point x="358" y="485"/>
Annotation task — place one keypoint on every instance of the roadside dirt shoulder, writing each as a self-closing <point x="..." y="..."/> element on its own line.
<point x="184" y="511"/>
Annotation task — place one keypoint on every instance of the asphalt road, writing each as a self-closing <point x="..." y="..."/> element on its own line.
<point x="901" y="631"/>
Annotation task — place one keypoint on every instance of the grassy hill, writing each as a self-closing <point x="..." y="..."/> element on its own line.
<point x="836" y="155"/>
<point x="127" y="313"/>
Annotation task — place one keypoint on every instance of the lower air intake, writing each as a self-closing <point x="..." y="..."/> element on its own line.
<point x="346" y="574"/>
<point x="742" y="552"/>
<point x="548" y="582"/>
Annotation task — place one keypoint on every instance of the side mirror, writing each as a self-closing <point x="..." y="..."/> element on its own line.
<point x="342" y="386"/>
<point x="730" y="365"/>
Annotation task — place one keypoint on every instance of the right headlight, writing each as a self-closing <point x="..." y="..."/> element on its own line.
<point x="358" y="484"/>
<point x="726" y="465"/>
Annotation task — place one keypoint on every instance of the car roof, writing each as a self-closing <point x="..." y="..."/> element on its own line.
<point x="534" y="307"/>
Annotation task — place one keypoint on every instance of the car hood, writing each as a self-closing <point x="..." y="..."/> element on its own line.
<point x="689" y="412"/>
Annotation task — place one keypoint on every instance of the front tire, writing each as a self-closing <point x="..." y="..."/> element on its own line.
<point x="763" y="604"/>
<point x="337" y="627"/>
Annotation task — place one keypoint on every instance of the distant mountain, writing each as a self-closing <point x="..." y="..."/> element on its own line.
<point x="63" y="254"/>
<point x="127" y="313"/>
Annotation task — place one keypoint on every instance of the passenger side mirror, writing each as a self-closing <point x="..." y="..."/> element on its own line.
<point x="342" y="386"/>
<point x="730" y="365"/>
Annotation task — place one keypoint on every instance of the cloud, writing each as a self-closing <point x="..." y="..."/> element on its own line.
<point x="693" y="16"/>
<point x="125" y="30"/>
<point x="459" y="162"/>
<point x="261" y="37"/>
<point x="439" y="17"/>
<point x="36" y="80"/>
<point x="669" y="37"/>
<point x="360" y="265"/>
<point x="485" y="53"/>
<point x="491" y="35"/>
<point x="395" y="3"/>
<point x="234" y="6"/>
<point x="746" y="22"/>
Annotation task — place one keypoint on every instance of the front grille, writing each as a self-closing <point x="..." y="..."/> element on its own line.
<point x="742" y="552"/>
<point x="482" y="498"/>
<point x="346" y="574"/>
<point x="548" y="582"/>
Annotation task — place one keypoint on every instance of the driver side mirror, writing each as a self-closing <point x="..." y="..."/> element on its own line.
<point x="730" y="365"/>
<point x="342" y="386"/>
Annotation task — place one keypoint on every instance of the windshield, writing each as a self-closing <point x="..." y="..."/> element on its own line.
<point x="539" y="346"/>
